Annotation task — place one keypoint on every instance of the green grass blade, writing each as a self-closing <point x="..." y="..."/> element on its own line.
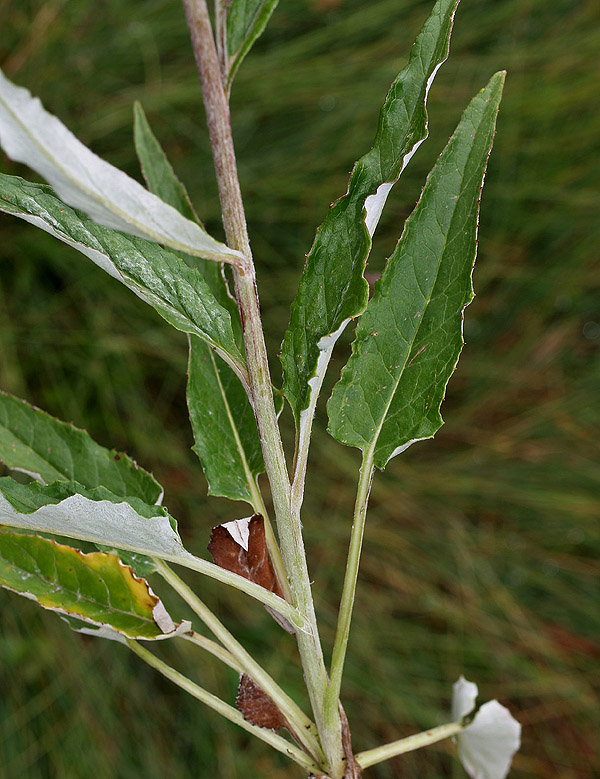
<point x="47" y="449"/>
<point x="95" y="587"/>
<point x="409" y="339"/>
<point x="225" y="431"/>
<point x="246" y="21"/>
<point x="160" y="278"/>
<point x="29" y="134"/>
<point x="332" y="289"/>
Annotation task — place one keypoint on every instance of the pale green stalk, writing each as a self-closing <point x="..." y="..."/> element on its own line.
<point x="261" y="594"/>
<point x="215" y="649"/>
<point x="349" y="588"/>
<point x="261" y="396"/>
<point x="227" y="711"/>
<point x="387" y="751"/>
<point x="300" y="724"/>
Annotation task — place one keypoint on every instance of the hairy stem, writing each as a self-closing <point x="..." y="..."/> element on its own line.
<point x="349" y="588"/>
<point x="288" y="524"/>
<point x="387" y="751"/>
<point x="300" y="724"/>
<point x="214" y="649"/>
<point x="227" y="711"/>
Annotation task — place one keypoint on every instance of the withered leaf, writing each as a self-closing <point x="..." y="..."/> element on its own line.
<point x="256" y="706"/>
<point x="353" y="769"/>
<point x="241" y="547"/>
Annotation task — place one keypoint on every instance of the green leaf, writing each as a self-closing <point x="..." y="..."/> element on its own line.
<point x="224" y="426"/>
<point x="246" y="21"/>
<point x="160" y="278"/>
<point x="409" y="339"/>
<point x="222" y="418"/>
<point x="332" y="290"/>
<point x="29" y="134"/>
<point x="96" y="587"/>
<point x="158" y="172"/>
<point x="68" y="509"/>
<point x="47" y="449"/>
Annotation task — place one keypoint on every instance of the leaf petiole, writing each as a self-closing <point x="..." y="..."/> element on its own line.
<point x="302" y="727"/>
<point x="409" y="744"/>
<point x="227" y="711"/>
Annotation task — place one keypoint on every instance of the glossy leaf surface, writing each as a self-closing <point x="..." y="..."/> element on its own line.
<point x="47" y="449"/>
<point x="225" y="431"/>
<point x="409" y="339"/>
<point x="246" y="20"/>
<point x="160" y="278"/>
<point x="94" y="587"/>
<point x="332" y="289"/>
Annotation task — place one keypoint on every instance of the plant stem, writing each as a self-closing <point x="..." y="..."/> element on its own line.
<point x="227" y="711"/>
<point x="349" y="588"/>
<point x="261" y="395"/>
<point x="215" y="649"/>
<point x="387" y="751"/>
<point x="300" y="724"/>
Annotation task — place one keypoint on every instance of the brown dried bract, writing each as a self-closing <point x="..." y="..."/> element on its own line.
<point x="253" y="564"/>
<point x="257" y="707"/>
<point x="353" y="770"/>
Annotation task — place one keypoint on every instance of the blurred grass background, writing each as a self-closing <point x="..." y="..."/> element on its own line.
<point x="482" y="546"/>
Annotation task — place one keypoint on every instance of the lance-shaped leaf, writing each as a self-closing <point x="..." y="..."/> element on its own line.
<point x="409" y="339"/>
<point x="156" y="168"/>
<point x="47" y="449"/>
<point x="29" y="134"/>
<point x="225" y="431"/>
<point x="332" y="289"/>
<point x="246" y="20"/>
<point x="222" y="418"/>
<point x="176" y="291"/>
<point x="96" y="587"/>
<point x="68" y="509"/>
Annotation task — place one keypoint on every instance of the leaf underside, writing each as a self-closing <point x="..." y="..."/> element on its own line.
<point x="409" y="339"/>
<point x="159" y="277"/>
<point x="332" y="288"/>
<point x="29" y="134"/>
<point x="94" y="587"/>
<point x="69" y="509"/>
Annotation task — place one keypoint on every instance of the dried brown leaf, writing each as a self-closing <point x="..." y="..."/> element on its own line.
<point x="241" y="547"/>
<point x="256" y="706"/>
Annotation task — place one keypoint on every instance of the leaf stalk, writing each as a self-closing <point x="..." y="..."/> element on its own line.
<point x="301" y="725"/>
<point x="227" y="711"/>
<point x="349" y="589"/>
<point x="403" y="745"/>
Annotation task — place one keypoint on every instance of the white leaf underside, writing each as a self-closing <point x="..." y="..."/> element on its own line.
<point x="31" y="135"/>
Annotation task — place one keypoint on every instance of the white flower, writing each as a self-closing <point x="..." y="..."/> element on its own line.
<point x="487" y="745"/>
